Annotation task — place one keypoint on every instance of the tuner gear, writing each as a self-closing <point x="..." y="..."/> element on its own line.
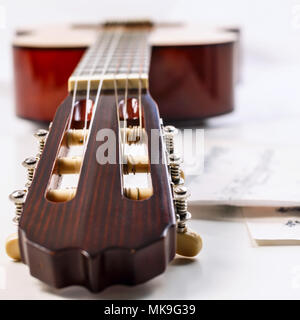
<point x="169" y="133"/>
<point x="41" y="135"/>
<point x="30" y="165"/>
<point x="180" y="198"/>
<point x="18" y="198"/>
<point x="189" y="243"/>
<point x="175" y="169"/>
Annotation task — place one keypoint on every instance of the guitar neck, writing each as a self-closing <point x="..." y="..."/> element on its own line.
<point x="119" y="57"/>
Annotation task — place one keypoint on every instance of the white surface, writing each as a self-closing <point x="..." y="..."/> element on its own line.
<point x="273" y="226"/>
<point x="267" y="114"/>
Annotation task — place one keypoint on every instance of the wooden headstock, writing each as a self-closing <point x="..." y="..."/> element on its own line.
<point x="100" y="237"/>
<point x="115" y="223"/>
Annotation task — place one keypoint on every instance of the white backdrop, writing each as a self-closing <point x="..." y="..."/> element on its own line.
<point x="270" y="27"/>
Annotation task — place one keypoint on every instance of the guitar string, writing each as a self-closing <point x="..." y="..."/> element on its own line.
<point x="142" y="49"/>
<point x="117" y="108"/>
<point x="103" y="44"/>
<point x="78" y="72"/>
<point x="129" y="66"/>
<point x="115" y="41"/>
<point x="122" y="146"/>
<point x="125" y="105"/>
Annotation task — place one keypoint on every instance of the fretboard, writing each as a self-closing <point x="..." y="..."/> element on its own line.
<point x="119" y="57"/>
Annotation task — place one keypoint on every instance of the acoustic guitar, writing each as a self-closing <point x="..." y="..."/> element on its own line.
<point x="192" y="72"/>
<point x="105" y="201"/>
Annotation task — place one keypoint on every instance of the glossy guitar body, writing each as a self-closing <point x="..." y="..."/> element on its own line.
<point x="100" y="237"/>
<point x="192" y="75"/>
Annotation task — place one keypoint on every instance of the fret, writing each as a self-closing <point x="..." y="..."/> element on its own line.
<point x="128" y="63"/>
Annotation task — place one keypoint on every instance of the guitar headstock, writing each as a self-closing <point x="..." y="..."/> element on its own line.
<point x="103" y="196"/>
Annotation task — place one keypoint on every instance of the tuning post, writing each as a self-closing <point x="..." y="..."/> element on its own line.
<point x="189" y="243"/>
<point x="41" y="135"/>
<point x="169" y="134"/>
<point x="181" y="195"/>
<point x="30" y="164"/>
<point x="18" y="198"/>
<point x="76" y="137"/>
<point x="175" y="169"/>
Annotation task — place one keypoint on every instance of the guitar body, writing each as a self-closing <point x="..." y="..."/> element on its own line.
<point x="98" y="238"/>
<point x="192" y="70"/>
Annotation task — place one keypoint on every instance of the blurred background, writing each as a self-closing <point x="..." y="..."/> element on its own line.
<point x="271" y="28"/>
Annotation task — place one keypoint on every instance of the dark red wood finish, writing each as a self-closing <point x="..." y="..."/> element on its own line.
<point x="188" y="82"/>
<point x="99" y="238"/>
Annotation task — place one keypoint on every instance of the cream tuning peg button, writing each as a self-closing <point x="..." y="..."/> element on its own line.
<point x="30" y="165"/>
<point x="41" y="135"/>
<point x="12" y="247"/>
<point x="189" y="243"/>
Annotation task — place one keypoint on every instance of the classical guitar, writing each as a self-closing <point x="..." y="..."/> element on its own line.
<point x="191" y="75"/>
<point x="105" y="201"/>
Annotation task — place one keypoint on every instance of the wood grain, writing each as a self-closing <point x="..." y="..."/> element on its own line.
<point x="99" y="238"/>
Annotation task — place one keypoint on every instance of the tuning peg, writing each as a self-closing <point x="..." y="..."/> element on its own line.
<point x="169" y="133"/>
<point x="75" y="137"/>
<point x="175" y="169"/>
<point x="189" y="243"/>
<point x="61" y="195"/>
<point x="18" y="198"/>
<point x="30" y="165"/>
<point x="41" y="135"/>
<point x="12" y="247"/>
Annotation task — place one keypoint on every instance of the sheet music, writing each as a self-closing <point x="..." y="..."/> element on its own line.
<point x="252" y="156"/>
<point x="266" y="184"/>
<point x="273" y="226"/>
<point x="266" y="176"/>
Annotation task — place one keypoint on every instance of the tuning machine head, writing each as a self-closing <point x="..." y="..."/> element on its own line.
<point x="30" y="164"/>
<point x="41" y="135"/>
<point x="169" y="133"/>
<point x="18" y="198"/>
<point x="12" y="247"/>
<point x="175" y="162"/>
<point x="189" y="243"/>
